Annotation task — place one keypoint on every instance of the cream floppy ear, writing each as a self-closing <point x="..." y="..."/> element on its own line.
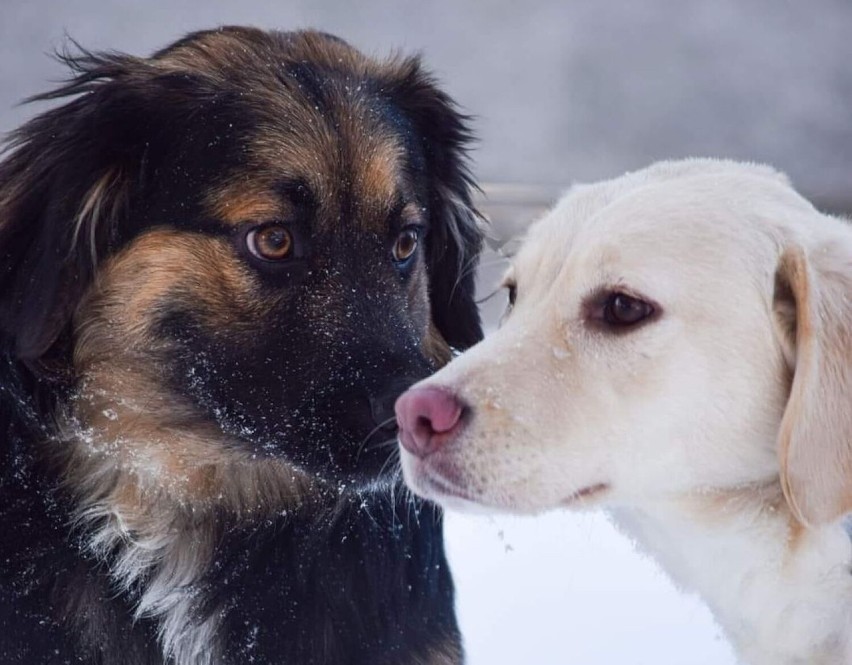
<point x="815" y="327"/>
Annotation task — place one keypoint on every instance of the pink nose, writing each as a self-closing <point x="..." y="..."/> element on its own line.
<point x="428" y="417"/>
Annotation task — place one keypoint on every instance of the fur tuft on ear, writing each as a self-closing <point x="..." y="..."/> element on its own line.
<point x="814" y="321"/>
<point x="456" y="227"/>
<point x="66" y="181"/>
<point x="62" y="183"/>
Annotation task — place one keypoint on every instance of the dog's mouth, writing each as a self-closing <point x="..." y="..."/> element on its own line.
<point x="585" y="495"/>
<point x="441" y="486"/>
<point x="438" y="480"/>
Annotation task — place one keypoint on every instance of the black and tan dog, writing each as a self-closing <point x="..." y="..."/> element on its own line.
<point x="219" y="266"/>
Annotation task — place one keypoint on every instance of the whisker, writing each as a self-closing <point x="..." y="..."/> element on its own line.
<point x="468" y="267"/>
<point x="380" y="444"/>
<point x="485" y="299"/>
<point x="372" y="432"/>
<point x="390" y="458"/>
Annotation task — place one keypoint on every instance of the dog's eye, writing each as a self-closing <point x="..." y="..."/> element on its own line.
<point x="270" y="243"/>
<point x="512" y="290"/>
<point x="406" y="244"/>
<point x="622" y="310"/>
<point x="513" y="294"/>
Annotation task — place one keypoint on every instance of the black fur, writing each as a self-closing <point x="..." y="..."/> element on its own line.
<point x="330" y="607"/>
<point x="350" y="575"/>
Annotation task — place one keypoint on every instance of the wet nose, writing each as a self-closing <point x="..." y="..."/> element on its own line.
<point x="428" y="417"/>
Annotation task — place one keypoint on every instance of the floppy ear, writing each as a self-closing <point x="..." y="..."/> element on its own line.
<point x="65" y="187"/>
<point x="456" y="228"/>
<point x="48" y="229"/>
<point x="63" y="176"/>
<point x="814" y="317"/>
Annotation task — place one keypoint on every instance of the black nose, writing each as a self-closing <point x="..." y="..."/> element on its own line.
<point x="382" y="404"/>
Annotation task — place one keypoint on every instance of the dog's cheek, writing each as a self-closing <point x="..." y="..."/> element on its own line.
<point x="435" y="348"/>
<point x="164" y="274"/>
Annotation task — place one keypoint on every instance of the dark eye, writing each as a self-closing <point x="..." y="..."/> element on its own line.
<point x="406" y="244"/>
<point x="622" y="310"/>
<point x="273" y="242"/>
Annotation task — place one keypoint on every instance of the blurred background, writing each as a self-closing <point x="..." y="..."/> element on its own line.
<point x="560" y="92"/>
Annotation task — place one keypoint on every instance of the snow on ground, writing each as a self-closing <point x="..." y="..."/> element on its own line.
<point x="568" y="589"/>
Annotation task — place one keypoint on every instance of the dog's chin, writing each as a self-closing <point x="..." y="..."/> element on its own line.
<point x="436" y="482"/>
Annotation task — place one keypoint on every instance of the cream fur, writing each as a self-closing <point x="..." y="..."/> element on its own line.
<point x="678" y="423"/>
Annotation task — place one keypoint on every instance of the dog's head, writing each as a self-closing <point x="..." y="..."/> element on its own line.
<point x="238" y="252"/>
<point x="680" y="329"/>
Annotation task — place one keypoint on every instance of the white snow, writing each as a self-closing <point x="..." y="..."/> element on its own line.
<point x="568" y="589"/>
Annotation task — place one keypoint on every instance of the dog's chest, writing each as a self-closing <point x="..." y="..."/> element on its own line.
<point x="780" y="602"/>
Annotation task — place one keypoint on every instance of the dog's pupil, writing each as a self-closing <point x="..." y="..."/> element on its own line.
<point x="406" y="244"/>
<point x="275" y="242"/>
<point x="627" y="309"/>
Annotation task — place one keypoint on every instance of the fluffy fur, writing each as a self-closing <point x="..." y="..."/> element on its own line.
<point x="196" y="441"/>
<point x="716" y="430"/>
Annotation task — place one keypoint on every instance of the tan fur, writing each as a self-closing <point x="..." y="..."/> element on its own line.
<point x="121" y="400"/>
<point x="223" y="51"/>
<point x="375" y="180"/>
<point x="367" y="157"/>
<point x="180" y="411"/>
<point x="247" y="201"/>
<point x="815" y="441"/>
<point x="104" y="200"/>
<point x="161" y="265"/>
<point x="435" y="347"/>
<point x="448" y="653"/>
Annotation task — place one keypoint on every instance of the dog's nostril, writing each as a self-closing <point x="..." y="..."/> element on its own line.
<point x="424" y="425"/>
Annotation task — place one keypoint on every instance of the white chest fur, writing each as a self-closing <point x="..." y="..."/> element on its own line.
<point x="782" y="594"/>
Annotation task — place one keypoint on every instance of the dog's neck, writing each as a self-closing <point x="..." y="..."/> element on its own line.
<point x="782" y="593"/>
<point x="164" y="520"/>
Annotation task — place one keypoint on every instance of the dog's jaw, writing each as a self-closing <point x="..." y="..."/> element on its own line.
<point x="425" y="481"/>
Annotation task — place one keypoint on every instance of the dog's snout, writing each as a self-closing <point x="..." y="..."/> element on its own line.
<point x="428" y="417"/>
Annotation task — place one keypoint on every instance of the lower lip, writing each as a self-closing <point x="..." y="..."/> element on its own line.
<point x="436" y="482"/>
<point x="585" y="494"/>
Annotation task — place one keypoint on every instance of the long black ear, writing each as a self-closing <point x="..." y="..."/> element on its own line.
<point x="61" y="176"/>
<point x="456" y="228"/>
<point x="65" y="185"/>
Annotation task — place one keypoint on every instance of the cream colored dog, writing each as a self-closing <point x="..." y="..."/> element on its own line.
<point x="678" y="350"/>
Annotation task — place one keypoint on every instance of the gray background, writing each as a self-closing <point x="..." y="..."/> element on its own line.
<point x="562" y="91"/>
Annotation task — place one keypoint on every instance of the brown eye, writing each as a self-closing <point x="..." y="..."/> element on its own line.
<point x="270" y="243"/>
<point x="623" y="310"/>
<point x="405" y="245"/>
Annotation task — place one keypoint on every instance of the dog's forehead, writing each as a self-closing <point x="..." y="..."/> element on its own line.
<point x="666" y="217"/>
<point x="313" y="113"/>
<point x="351" y="163"/>
<point x="356" y="174"/>
<point x="719" y="211"/>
